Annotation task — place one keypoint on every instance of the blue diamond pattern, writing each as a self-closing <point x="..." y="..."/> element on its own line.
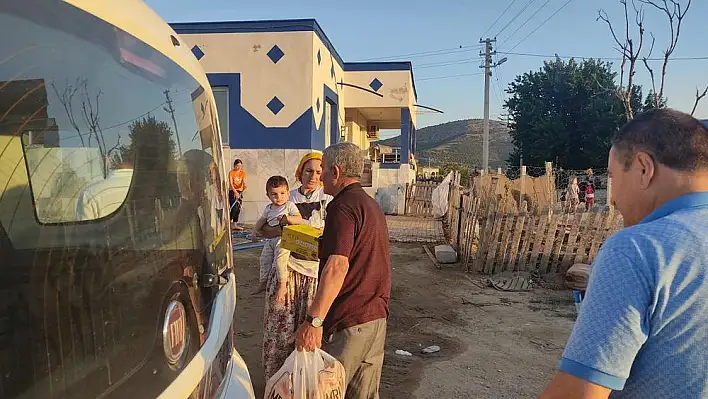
<point x="275" y="54"/>
<point x="197" y="52"/>
<point x="318" y="105"/>
<point x="275" y="105"/>
<point x="319" y="57"/>
<point x="375" y="84"/>
<point x="331" y="71"/>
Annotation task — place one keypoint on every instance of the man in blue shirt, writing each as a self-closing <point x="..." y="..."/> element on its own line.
<point x="642" y="331"/>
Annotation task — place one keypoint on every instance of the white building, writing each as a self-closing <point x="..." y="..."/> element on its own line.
<point x="282" y="90"/>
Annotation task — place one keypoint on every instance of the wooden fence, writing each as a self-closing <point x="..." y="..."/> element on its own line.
<point x="491" y="241"/>
<point x="419" y="198"/>
<point x="544" y="243"/>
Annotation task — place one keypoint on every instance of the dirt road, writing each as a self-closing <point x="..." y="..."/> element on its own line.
<point x="493" y="344"/>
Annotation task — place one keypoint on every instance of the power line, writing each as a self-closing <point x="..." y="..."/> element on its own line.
<point x="692" y="58"/>
<point x="430" y="53"/>
<point x="515" y="16"/>
<point x="502" y="93"/>
<point x="449" y="76"/>
<point x="471" y="60"/>
<point x="499" y="17"/>
<point x="525" y="22"/>
<point x="496" y="94"/>
<point x="543" y="23"/>
<point x="445" y="63"/>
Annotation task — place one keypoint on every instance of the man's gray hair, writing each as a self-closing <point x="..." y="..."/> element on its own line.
<point x="347" y="156"/>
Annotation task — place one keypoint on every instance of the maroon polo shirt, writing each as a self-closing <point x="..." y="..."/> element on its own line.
<point x="355" y="227"/>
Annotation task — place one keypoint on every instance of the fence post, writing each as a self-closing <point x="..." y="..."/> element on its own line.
<point x="405" y="199"/>
<point x="459" y="222"/>
<point x="499" y="171"/>
<point x="522" y="188"/>
<point x="551" y="187"/>
<point x="609" y="191"/>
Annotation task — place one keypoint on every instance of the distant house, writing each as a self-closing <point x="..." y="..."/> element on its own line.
<point x="428" y="172"/>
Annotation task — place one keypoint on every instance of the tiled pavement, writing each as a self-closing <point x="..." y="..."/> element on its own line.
<point x="415" y="229"/>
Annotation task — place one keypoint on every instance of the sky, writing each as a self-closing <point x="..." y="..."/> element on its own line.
<point x="441" y="39"/>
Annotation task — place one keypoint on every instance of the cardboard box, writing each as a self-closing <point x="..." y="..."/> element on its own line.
<point x="301" y="239"/>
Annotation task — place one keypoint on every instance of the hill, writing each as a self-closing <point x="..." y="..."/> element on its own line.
<point x="460" y="142"/>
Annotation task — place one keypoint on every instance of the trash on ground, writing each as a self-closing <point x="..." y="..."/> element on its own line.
<point x="513" y="284"/>
<point x="431" y="349"/>
<point x="403" y="353"/>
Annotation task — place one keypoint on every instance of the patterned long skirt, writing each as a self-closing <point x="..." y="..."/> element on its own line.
<point x="280" y="322"/>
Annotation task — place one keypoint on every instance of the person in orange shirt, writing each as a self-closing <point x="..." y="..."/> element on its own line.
<point x="237" y="179"/>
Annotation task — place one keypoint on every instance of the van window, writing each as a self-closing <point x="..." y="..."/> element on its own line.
<point x="73" y="182"/>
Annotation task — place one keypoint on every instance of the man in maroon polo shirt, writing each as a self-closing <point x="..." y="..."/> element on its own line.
<point x="350" y="307"/>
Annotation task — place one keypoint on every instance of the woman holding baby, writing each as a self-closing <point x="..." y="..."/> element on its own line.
<point x="284" y="313"/>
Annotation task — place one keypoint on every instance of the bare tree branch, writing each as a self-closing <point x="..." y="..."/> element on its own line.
<point x="66" y="98"/>
<point x="630" y="52"/>
<point x="631" y="46"/>
<point x="699" y="97"/>
<point x="651" y="70"/>
<point x="90" y="112"/>
<point x="621" y="46"/>
<point x="675" y="15"/>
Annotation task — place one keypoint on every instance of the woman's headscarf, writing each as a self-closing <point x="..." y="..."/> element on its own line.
<point x="312" y="155"/>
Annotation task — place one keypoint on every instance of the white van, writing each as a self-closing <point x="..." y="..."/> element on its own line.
<point x="115" y="253"/>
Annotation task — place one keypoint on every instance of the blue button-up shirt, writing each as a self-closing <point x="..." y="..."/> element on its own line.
<point x="643" y="326"/>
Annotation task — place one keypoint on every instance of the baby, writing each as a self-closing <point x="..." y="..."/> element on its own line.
<point x="279" y="212"/>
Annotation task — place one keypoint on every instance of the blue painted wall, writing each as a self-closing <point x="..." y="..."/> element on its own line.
<point x="318" y="139"/>
<point x="246" y="132"/>
<point x="406" y="125"/>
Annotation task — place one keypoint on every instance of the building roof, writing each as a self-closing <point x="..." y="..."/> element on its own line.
<point x="279" y="25"/>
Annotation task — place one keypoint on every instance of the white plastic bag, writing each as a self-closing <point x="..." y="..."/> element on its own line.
<point x="308" y="375"/>
<point x="439" y="198"/>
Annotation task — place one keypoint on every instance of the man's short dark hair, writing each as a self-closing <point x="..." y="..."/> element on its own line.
<point x="275" y="182"/>
<point x="236" y="162"/>
<point x="674" y="139"/>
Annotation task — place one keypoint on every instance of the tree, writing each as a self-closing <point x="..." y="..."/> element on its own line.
<point x="652" y="101"/>
<point x="151" y="135"/>
<point x="90" y="106"/>
<point x="462" y="169"/>
<point x="566" y="113"/>
<point x="633" y="46"/>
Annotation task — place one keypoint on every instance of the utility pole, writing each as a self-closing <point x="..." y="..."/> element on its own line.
<point x="487" y="65"/>
<point x="170" y="110"/>
<point x="488" y="53"/>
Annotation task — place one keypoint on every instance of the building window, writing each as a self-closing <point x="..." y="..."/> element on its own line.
<point x="328" y="124"/>
<point x="221" y="96"/>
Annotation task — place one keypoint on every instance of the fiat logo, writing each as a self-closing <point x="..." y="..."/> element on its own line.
<point x="174" y="332"/>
